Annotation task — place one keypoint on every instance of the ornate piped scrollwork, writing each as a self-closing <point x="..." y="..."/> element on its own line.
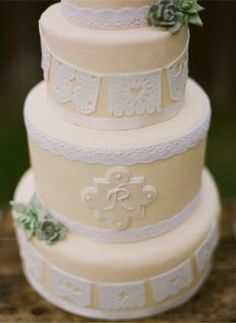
<point x="119" y="197"/>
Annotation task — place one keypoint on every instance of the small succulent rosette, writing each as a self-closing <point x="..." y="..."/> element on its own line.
<point x="36" y="222"/>
<point x="173" y="14"/>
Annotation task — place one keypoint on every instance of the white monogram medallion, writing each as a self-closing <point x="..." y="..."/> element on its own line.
<point x="119" y="197"/>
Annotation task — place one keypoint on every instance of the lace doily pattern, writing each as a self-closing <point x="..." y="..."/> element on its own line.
<point x="136" y="94"/>
<point x="177" y="76"/>
<point x="79" y="292"/>
<point x="77" y="87"/>
<point x="133" y="95"/>
<point x="106" y="19"/>
<point x="109" y="155"/>
<point x="46" y="60"/>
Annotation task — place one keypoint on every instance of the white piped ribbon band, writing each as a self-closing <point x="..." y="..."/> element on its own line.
<point x="106" y="19"/>
<point x="124" y="123"/>
<point x="128" y="235"/>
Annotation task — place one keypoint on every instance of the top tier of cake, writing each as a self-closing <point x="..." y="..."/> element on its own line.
<point x="106" y="68"/>
<point x="109" y="4"/>
<point x="107" y="14"/>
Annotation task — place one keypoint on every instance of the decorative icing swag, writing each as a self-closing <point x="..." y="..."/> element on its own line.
<point x="130" y="95"/>
<point x="78" y="293"/>
<point x="35" y="221"/>
<point x="173" y="14"/>
<point x="106" y="19"/>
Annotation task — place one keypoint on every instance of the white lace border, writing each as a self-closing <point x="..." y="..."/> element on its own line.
<point x="109" y="155"/>
<point x="105" y="19"/>
<point x="129" y="235"/>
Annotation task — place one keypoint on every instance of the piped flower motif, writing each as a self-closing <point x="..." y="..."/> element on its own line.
<point x="173" y="14"/>
<point x="36" y="222"/>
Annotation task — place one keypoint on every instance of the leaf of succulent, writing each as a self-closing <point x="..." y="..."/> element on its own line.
<point x="50" y="231"/>
<point x="35" y="221"/>
<point x="188" y="6"/>
<point x="195" y="20"/>
<point x="173" y="14"/>
<point x="165" y="14"/>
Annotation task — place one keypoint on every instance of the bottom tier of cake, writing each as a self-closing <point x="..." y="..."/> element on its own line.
<point x="129" y="280"/>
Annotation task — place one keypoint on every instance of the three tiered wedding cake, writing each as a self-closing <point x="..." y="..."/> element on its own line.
<point x="117" y="218"/>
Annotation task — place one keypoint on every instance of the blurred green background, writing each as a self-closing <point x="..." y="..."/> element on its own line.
<point x="212" y="55"/>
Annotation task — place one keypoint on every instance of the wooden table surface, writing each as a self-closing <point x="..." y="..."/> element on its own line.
<point x="215" y="302"/>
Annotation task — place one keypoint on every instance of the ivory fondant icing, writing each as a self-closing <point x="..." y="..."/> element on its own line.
<point x="115" y="95"/>
<point x="74" y="157"/>
<point x="109" y="4"/>
<point x="117" y="135"/>
<point x="89" y="282"/>
<point x="110" y="52"/>
<point x="124" y="262"/>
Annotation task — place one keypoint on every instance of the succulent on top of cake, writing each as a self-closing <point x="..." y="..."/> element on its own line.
<point x="173" y="14"/>
<point x="36" y="222"/>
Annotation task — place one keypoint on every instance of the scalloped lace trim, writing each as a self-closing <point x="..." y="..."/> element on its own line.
<point x="129" y="155"/>
<point x="106" y="19"/>
<point x="130" y="235"/>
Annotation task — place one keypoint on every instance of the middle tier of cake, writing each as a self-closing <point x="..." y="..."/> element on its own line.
<point x="119" y="186"/>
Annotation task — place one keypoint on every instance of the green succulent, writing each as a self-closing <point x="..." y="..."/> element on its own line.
<point x="173" y="14"/>
<point x="50" y="231"/>
<point x="36" y="222"/>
